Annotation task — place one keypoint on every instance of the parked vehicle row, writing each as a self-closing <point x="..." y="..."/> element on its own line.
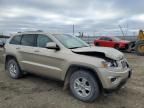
<point x="113" y="42"/>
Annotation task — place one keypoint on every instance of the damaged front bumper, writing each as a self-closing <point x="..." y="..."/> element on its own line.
<point x="119" y="85"/>
<point x="112" y="80"/>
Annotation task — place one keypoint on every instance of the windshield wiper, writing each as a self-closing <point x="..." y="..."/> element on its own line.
<point x="74" y="47"/>
<point x="78" y="47"/>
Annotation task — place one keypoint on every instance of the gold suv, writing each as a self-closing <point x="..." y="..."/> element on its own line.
<point x="86" y="70"/>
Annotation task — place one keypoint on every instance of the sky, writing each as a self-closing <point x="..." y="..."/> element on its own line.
<point x="93" y="17"/>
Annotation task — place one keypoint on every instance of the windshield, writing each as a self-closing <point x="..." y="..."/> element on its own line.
<point x="70" y="41"/>
<point x="116" y="39"/>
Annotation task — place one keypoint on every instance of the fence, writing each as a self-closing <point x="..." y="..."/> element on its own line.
<point x="90" y="39"/>
<point x="3" y="38"/>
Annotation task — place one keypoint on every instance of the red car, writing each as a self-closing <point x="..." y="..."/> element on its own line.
<point x="113" y="42"/>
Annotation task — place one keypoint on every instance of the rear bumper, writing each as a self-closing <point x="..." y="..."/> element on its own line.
<point x="123" y="46"/>
<point x="3" y="59"/>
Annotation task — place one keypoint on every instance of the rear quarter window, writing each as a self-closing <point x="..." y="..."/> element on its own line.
<point x="16" y="40"/>
<point x="101" y="38"/>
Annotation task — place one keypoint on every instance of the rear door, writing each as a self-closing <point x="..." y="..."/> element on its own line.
<point x="27" y="51"/>
<point x="101" y="41"/>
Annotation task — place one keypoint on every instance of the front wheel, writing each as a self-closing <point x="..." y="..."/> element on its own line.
<point x="84" y="86"/>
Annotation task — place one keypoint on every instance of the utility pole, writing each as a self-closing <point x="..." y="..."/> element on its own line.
<point x="73" y="29"/>
<point x="122" y="31"/>
<point x="126" y="31"/>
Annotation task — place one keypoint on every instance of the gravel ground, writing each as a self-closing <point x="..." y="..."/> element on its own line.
<point x="37" y="92"/>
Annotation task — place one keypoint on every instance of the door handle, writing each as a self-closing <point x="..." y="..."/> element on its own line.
<point x="18" y="48"/>
<point x="36" y="51"/>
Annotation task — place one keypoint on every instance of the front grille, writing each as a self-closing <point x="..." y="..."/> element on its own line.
<point x="124" y="64"/>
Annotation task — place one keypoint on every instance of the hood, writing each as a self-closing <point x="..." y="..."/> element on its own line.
<point x="100" y="51"/>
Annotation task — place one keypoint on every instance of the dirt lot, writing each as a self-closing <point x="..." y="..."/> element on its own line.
<point x="37" y="92"/>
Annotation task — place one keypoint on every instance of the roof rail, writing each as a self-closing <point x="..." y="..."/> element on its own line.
<point x="39" y="31"/>
<point x="32" y="31"/>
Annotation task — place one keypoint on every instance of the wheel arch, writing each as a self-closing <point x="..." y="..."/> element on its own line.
<point x="75" y="67"/>
<point x="8" y="57"/>
<point x="116" y="44"/>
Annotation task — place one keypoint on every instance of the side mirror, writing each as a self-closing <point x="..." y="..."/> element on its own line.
<point x="52" y="45"/>
<point x="1" y="44"/>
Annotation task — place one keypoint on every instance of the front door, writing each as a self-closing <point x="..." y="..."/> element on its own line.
<point x="48" y="61"/>
<point x="107" y="42"/>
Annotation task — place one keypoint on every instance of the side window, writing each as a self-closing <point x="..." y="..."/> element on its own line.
<point x="16" y="40"/>
<point x="102" y="38"/>
<point x="28" y="40"/>
<point x="108" y="39"/>
<point x="42" y="40"/>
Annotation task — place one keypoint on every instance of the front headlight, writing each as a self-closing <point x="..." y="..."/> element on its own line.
<point x="110" y="64"/>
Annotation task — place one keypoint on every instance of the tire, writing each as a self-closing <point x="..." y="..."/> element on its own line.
<point x="131" y="46"/>
<point x="13" y="69"/>
<point x="96" y="44"/>
<point x="84" y="86"/>
<point x="139" y="48"/>
<point x="116" y="46"/>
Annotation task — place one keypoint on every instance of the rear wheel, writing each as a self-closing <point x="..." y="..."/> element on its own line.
<point x="116" y="46"/>
<point x="13" y="69"/>
<point x="96" y="44"/>
<point x="84" y="86"/>
<point x="140" y="48"/>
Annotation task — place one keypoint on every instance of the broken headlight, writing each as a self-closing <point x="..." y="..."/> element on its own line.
<point x="110" y="64"/>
